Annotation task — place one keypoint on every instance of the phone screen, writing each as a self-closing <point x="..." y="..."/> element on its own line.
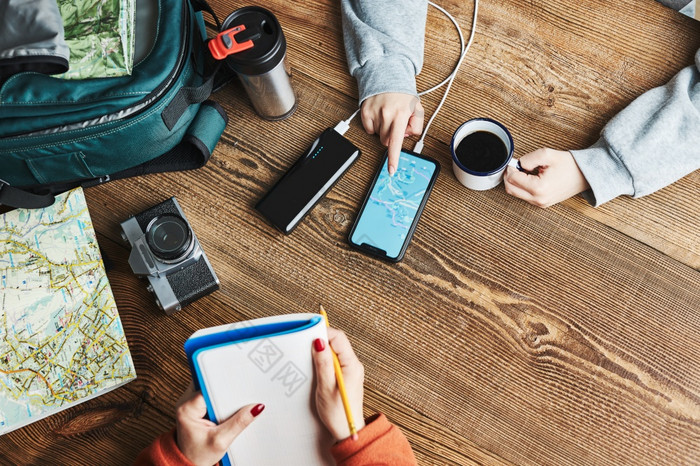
<point x="388" y="217"/>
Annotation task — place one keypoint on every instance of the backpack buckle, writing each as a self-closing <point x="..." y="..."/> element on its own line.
<point x="95" y="181"/>
<point x="224" y="44"/>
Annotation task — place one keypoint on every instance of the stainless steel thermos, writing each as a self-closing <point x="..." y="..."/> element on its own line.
<point x="262" y="69"/>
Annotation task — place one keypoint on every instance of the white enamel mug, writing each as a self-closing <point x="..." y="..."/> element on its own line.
<point x="481" y="181"/>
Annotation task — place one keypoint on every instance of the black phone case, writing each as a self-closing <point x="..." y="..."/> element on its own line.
<point x="376" y="252"/>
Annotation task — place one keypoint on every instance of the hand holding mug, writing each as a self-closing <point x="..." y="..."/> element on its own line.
<point x="328" y="401"/>
<point x="550" y="176"/>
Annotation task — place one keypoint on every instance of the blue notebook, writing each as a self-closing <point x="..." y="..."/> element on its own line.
<point x="266" y="361"/>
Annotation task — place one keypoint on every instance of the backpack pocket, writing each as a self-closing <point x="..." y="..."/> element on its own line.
<point x="71" y="166"/>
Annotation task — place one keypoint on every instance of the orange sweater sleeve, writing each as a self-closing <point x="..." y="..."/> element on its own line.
<point x="162" y="452"/>
<point x="380" y="442"/>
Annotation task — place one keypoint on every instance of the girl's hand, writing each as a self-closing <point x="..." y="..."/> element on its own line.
<point x="393" y="116"/>
<point x="204" y="442"/>
<point x="550" y="177"/>
<point x="328" y="401"/>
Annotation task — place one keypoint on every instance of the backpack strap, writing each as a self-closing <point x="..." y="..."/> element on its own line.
<point x="15" y="197"/>
<point x="187" y="96"/>
<point x="202" y="5"/>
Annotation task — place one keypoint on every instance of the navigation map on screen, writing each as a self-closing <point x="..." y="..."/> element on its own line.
<point x="393" y="204"/>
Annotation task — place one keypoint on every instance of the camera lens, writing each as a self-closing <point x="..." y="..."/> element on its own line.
<point x="169" y="237"/>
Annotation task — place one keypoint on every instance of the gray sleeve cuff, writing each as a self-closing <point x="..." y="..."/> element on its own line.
<point x="386" y="74"/>
<point x="605" y="173"/>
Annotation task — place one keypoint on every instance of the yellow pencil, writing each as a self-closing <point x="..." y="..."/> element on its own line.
<point x="341" y="384"/>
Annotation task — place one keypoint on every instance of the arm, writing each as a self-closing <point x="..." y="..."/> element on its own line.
<point x="378" y="441"/>
<point x="384" y="44"/>
<point x="384" y="48"/>
<point x="162" y="452"/>
<point x="650" y="144"/>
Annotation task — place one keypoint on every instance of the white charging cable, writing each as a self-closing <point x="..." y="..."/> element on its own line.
<point x="450" y="79"/>
<point x="461" y="49"/>
<point x="343" y="126"/>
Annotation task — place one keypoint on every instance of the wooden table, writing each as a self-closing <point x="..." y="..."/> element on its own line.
<point x="509" y="333"/>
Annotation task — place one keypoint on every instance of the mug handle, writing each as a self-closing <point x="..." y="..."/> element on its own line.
<point x="515" y="163"/>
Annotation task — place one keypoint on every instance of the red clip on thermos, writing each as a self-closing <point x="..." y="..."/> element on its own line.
<point x="262" y="67"/>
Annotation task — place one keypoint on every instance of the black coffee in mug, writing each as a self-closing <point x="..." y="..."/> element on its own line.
<point x="481" y="151"/>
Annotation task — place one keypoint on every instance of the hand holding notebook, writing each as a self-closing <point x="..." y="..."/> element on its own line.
<point x="266" y="361"/>
<point x="299" y="438"/>
<point x="202" y="441"/>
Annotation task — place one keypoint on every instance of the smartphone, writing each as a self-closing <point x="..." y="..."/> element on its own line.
<point x="308" y="180"/>
<point x="393" y="205"/>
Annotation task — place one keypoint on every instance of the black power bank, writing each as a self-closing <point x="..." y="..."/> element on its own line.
<point x="308" y="180"/>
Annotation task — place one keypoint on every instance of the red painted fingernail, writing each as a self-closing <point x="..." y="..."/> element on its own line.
<point x="257" y="409"/>
<point x="319" y="345"/>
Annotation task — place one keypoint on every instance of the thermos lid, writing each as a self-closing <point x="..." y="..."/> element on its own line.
<point x="269" y="45"/>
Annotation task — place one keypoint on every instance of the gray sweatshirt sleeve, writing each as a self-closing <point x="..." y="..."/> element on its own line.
<point x="32" y="38"/>
<point x="384" y="44"/>
<point x="650" y="144"/>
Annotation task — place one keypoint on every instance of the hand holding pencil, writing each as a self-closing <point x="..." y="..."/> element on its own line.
<point x="329" y="402"/>
<point x="340" y="381"/>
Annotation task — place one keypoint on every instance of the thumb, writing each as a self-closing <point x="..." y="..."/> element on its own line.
<point x="227" y="431"/>
<point x="415" y="122"/>
<point x="323" y="363"/>
<point x="191" y="405"/>
<point x="535" y="164"/>
<point x="533" y="160"/>
<point x="521" y="181"/>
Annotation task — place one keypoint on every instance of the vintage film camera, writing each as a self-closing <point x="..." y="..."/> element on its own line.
<point x="165" y="250"/>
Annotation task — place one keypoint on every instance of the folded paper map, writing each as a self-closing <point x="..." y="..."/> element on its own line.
<point x="61" y="340"/>
<point x="100" y="35"/>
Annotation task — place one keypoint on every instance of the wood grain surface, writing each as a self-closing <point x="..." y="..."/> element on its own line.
<point x="509" y="333"/>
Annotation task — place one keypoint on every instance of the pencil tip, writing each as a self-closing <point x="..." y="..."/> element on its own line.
<point x="321" y="308"/>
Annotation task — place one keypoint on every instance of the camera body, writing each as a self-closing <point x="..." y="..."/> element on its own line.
<point x="165" y="250"/>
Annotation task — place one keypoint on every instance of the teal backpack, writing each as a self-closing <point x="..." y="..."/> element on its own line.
<point x="57" y="134"/>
